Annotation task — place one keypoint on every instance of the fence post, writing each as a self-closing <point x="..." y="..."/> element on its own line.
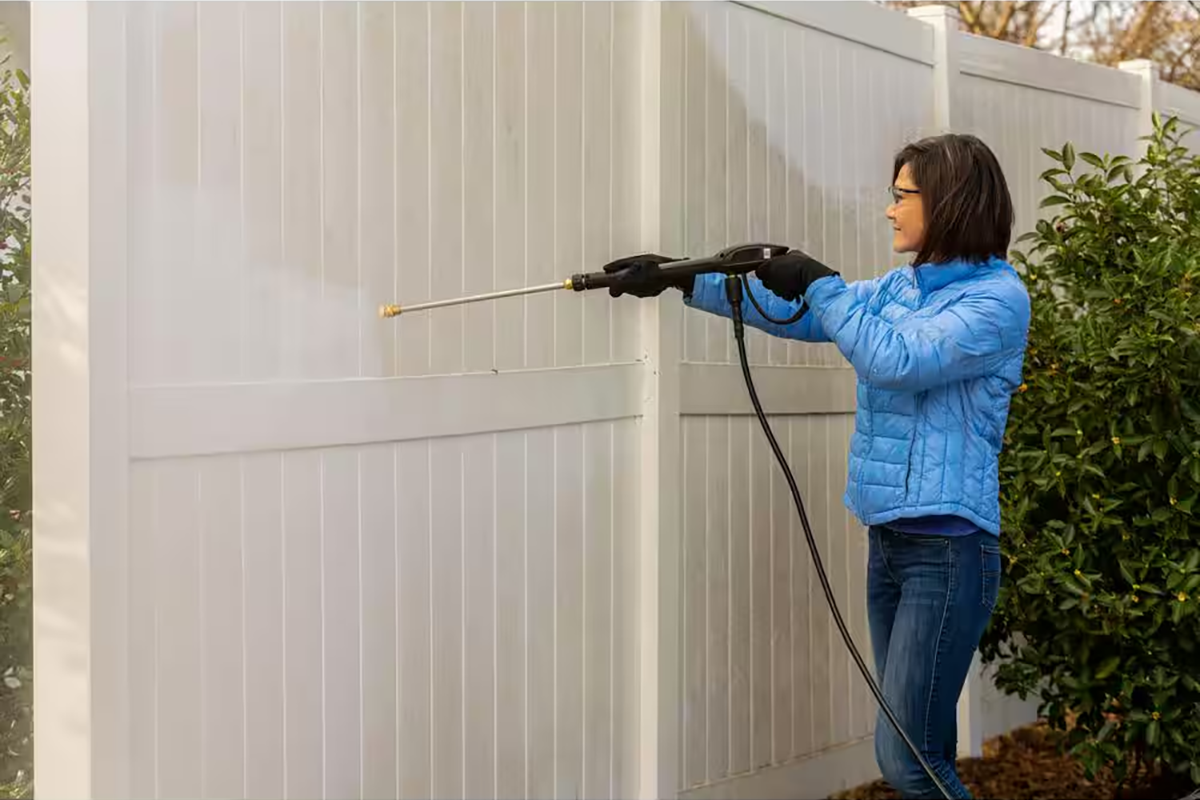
<point x="944" y="21"/>
<point x="80" y="429"/>
<point x="1148" y="101"/>
<point x="661" y="32"/>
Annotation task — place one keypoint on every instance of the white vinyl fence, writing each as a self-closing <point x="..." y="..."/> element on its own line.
<point x="532" y="548"/>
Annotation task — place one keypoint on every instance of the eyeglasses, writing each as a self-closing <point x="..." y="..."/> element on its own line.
<point x="898" y="194"/>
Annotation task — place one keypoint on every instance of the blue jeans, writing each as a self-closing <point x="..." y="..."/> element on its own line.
<point x="929" y="599"/>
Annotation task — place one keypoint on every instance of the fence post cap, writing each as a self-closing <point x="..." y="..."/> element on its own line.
<point x="932" y="11"/>
<point x="1137" y="65"/>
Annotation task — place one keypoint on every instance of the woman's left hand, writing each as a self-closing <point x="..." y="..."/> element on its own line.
<point x="790" y="275"/>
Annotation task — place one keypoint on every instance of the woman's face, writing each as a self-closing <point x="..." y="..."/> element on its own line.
<point x="907" y="214"/>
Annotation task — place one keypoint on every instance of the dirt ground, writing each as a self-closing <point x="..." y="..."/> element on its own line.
<point x="1027" y="765"/>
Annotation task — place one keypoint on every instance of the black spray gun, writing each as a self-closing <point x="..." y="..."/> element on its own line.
<point x="735" y="263"/>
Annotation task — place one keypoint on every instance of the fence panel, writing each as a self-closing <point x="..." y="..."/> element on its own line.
<point x="322" y="603"/>
<point x="1019" y="101"/>
<point x="1174" y="101"/>
<point x="447" y="608"/>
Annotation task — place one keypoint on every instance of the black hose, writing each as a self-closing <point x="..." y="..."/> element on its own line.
<point x="733" y="290"/>
<point x="789" y="321"/>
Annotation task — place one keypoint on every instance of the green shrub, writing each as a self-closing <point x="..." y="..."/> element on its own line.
<point x="1101" y="469"/>
<point x="16" y="502"/>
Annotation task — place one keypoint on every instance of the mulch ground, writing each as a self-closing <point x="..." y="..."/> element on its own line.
<point x="1027" y="764"/>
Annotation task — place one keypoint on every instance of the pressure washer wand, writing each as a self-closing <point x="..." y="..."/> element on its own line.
<point x="395" y="311"/>
<point x="737" y="260"/>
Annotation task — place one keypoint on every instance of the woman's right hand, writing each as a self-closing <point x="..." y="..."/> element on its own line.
<point x="789" y="275"/>
<point x="641" y="276"/>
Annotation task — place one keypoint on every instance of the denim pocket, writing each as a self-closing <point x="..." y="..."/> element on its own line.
<point x="989" y="557"/>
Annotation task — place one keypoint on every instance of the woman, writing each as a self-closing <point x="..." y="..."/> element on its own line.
<point x="938" y="348"/>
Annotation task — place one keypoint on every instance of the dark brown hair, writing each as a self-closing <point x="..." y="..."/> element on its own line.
<point x="968" y="209"/>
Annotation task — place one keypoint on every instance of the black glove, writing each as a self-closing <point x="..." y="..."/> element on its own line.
<point x="790" y="275"/>
<point x="640" y="276"/>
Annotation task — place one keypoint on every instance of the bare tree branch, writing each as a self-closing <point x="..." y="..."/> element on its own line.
<point x="1066" y="27"/>
<point x="970" y="16"/>
<point x="1002" y="26"/>
<point x="1171" y="73"/>
<point x="1035" y="27"/>
<point x="1129" y="42"/>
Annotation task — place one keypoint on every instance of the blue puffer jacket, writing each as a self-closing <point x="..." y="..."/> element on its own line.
<point x="938" y="350"/>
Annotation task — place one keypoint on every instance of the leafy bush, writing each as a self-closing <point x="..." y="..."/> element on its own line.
<point x="1101" y="469"/>
<point x="16" y="501"/>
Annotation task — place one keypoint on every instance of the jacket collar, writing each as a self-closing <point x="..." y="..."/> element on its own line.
<point x="931" y="277"/>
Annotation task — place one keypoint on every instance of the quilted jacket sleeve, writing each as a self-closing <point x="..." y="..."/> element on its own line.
<point x="966" y="340"/>
<point x="708" y="294"/>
